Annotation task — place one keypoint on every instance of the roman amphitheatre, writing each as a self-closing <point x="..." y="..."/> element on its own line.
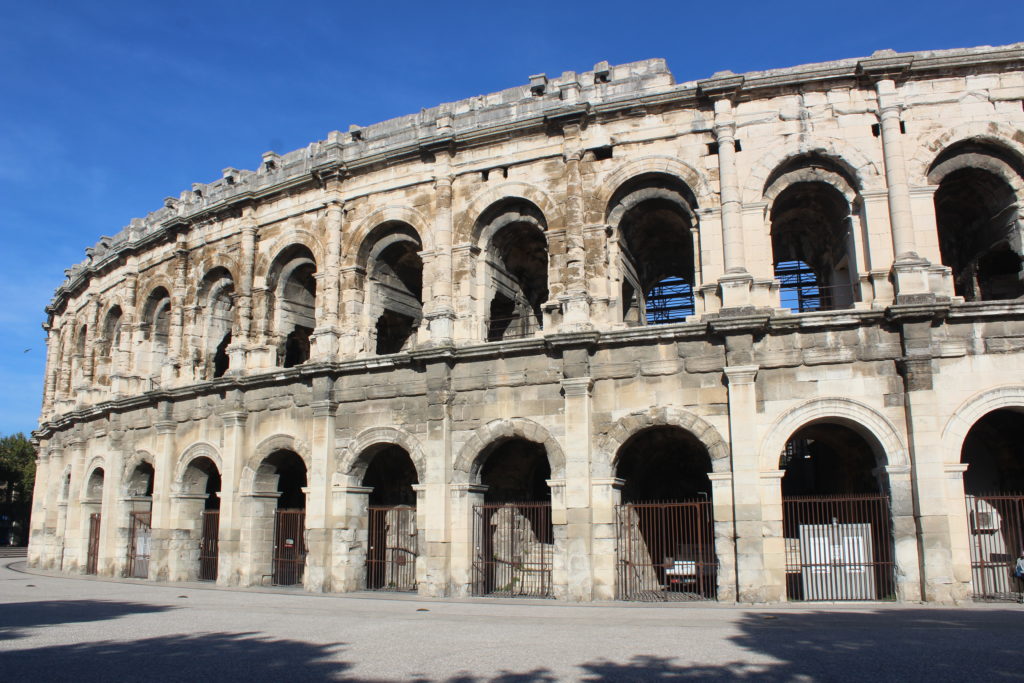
<point x="604" y="335"/>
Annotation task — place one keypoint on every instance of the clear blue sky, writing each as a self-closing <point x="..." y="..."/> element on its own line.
<point x="107" y="107"/>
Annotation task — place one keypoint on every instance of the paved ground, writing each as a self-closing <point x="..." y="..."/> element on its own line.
<point x="54" y="628"/>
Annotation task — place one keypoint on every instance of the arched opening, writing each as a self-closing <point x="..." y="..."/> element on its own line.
<point x="292" y="282"/>
<point x="812" y="235"/>
<point x="216" y="294"/>
<point x="836" y="517"/>
<point x="156" y="328"/>
<point x="994" y="489"/>
<point x="656" y="225"/>
<point x="78" y="362"/>
<point x="513" y="531"/>
<point x="978" y="219"/>
<point x="140" y="520"/>
<point x="108" y="345"/>
<point x="516" y="253"/>
<point x="665" y="524"/>
<point x="283" y="473"/>
<point x="393" y="540"/>
<point x="200" y="510"/>
<point x="92" y="508"/>
<point x="396" y="292"/>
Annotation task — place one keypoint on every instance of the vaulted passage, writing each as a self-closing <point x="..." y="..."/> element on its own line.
<point x="396" y="291"/>
<point x="811" y="229"/>
<point x="282" y="475"/>
<point x="665" y="525"/>
<point x="200" y="509"/>
<point x="978" y="218"/>
<point x="836" y="517"/>
<point x="216" y="292"/>
<point x="140" y="520"/>
<point x="292" y="286"/>
<point x="393" y="537"/>
<point x="517" y="267"/>
<point x="994" y="488"/>
<point x="513" y="534"/>
<point x="656" y="225"/>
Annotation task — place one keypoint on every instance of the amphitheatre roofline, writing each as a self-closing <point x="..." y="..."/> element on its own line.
<point x="602" y="91"/>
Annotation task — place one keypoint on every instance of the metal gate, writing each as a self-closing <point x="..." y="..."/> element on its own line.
<point x="838" y="548"/>
<point x="208" y="545"/>
<point x="93" y="552"/>
<point x="513" y="549"/>
<point x="997" y="536"/>
<point x="666" y="551"/>
<point x="289" y="547"/>
<point x="393" y="547"/>
<point x="140" y="537"/>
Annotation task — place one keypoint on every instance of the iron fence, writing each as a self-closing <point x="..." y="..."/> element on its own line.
<point x="996" y="524"/>
<point x="289" y="547"/>
<point x="838" y="548"/>
<point x="393" y="548"/>
<point x="93" y="550"/>
<point x="139" y="541"/>
<point x="666" y="552"/>
<point x="209" y="545"/>
<point x="513" y="549"/>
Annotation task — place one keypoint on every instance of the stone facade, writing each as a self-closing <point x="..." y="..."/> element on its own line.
<point x="467" y="287"/>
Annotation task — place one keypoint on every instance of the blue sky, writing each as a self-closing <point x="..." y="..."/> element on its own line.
<point x="106" y="107"/>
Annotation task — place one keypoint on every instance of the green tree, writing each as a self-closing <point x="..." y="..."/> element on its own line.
<point x="17" y="468"/>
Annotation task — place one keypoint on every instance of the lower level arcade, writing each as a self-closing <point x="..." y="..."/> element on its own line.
<point x="834" y="518"/>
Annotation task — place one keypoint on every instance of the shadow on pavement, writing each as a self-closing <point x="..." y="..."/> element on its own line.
<point x="915" y="644"/>
<point x="200" y="657"/>
<point x="21" y="615"/>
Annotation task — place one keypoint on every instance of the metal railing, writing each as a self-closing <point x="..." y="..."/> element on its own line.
<point x="93" y="551"/>
<point x="513" y="549"/>
<point x="996" y="525"/>
<point x="289" y="556"/>
<point x="511" y="327"/>
<point x="838" y="548"/>
<point x="209" y="545"/>
<point x="666" y="552"/>
<point x="393" y="548"/>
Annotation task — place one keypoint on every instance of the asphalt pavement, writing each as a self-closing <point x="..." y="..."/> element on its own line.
<point x="85" y="629"/>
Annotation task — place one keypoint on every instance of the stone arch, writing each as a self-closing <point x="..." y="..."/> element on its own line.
<point x="468" y="463"/>
<point x="611" y="441"/>
<point x="970" y="411"/>
<point x="352" y="460"/>
<point x="97" y="462"/>
<point x="466" y="221"/>
<point x="270" y="445"/>
<point x="134" y="460"/>
<point x="886" y="442"/>
<point x="658" y="164"/>
<point x="930" y="146"/>
<point x="299" y="237"/>
<point x="816" y="175"/>
<point x="200" y="449"/>
<point x="354" y="242"/>
<point x="848" y="157"/>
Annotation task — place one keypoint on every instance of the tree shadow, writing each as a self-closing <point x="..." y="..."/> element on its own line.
<point x="200" y="657"/>
<point x="898" y="644"/>
<point x="21" y="615"/>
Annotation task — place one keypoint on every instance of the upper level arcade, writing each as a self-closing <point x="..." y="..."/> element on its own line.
<point x="604" y="201"/>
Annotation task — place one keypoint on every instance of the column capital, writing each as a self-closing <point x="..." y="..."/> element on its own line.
<point x="741" y="374"/>
<point x="577" y="386"/>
